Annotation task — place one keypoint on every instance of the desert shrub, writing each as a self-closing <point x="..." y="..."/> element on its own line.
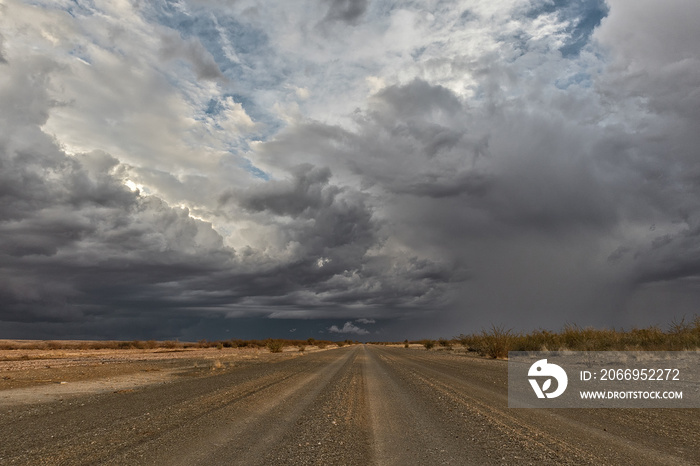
<point x="680" y="336"/>
<point x="138" y="344"/>
<point x="275" y="346"/>
<point x="650" y="338"/>
<point x="497" y="342"/>
<point x="445" y="343"/>
<point x="429" y="344"/>
<point x="470" y="342"/>
<point x="406" y="344"/>
<point x="684" y="335"/>
<point x="464" y="340"/>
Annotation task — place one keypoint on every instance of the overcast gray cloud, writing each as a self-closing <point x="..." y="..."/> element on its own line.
<point x="2" y="56"/>
<point x="168" y="169"/>
<point x="349" y="11"/>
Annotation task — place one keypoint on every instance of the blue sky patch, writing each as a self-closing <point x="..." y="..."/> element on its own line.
<point x="583" y="17"/>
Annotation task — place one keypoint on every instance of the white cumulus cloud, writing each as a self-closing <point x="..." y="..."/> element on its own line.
<point x="348" y="328"/>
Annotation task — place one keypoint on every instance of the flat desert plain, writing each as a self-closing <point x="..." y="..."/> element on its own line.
<point x="353" y="405"/>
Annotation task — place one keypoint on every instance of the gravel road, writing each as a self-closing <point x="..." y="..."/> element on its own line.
<point x="358" y="405"/>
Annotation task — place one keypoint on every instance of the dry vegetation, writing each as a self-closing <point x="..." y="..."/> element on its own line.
<point x="273" y="344"/>
<point x="496" y="342"/>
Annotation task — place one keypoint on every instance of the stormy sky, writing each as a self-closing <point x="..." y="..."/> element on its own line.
<point x="336" y="169"/>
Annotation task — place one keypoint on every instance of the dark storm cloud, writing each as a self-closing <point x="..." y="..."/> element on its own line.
<point x="308" y="190"/>
<point x="415" y="139"/>
<point x="2" y="55"/>
<point x="323" y="218"/>
<point x="501" y="191"/>
<point x="333" y="230"/>
<point x="522" y="172"/>
<point x="73" y="238"/>
<point x="78" y="245"/>
<point x="657" y="165"/>
<point x="531" y="168"/>
<point x="417" y="99"/>
<point x="536" y="173"/>
<point x="473" y="184"/>
<point x="348" y="11"/>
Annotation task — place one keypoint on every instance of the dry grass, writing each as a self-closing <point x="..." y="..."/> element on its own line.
<point x="680" y="336"/>
<point x="275" y="346"/>
<point x="89" y="345"/>
<point x="152" y="344"/>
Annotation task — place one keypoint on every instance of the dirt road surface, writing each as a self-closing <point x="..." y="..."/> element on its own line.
<point x="358" y="405"/>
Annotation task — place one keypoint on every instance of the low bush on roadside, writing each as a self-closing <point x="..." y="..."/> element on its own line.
<point x="275" y="346"/>
<point x="681" y="336"/>
<point x="447" y="344"/>
<point x="497" y="342"/>
<point x="147" y="345"/>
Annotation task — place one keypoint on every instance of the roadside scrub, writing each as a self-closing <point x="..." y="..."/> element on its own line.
<point x="496" y="342"/>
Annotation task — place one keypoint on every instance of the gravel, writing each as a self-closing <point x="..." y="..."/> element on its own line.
<point x="356" y="405"/>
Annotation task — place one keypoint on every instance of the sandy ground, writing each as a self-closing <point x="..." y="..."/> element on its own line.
<point x="37" y="375"/>
<point x="358" y="405"/>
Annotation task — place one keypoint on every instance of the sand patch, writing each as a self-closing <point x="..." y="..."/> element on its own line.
<point x="62" y="390"/>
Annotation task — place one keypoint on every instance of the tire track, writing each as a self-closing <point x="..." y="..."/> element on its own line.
<point x="566" y="439"/>
<point x="158" y="423"/>
<point x="360" y="405"/>
<point x="335" y="428"/>
<point x="242" y="433"/>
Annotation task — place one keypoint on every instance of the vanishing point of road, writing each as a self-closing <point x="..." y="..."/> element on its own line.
<point x="358" y="405"/>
